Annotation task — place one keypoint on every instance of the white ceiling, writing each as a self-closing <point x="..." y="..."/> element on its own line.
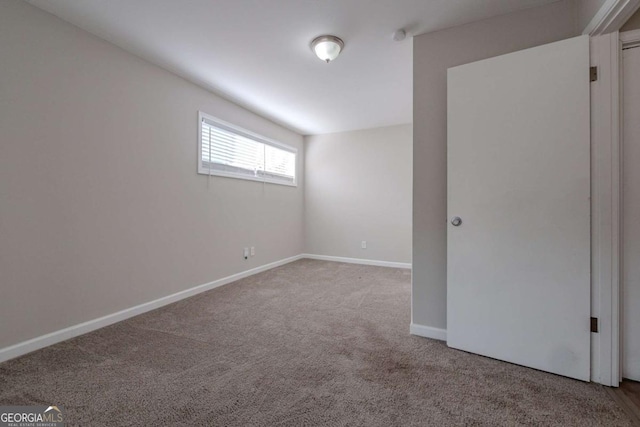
<point x="256" y="52"/>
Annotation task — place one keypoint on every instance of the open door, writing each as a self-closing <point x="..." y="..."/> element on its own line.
<point x="518" y="266"/>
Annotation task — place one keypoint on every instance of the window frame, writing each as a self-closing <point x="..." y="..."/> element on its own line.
<point x="202" y="170"/>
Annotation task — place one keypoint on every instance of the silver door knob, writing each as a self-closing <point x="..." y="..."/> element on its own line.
<point x="456" y="221"/>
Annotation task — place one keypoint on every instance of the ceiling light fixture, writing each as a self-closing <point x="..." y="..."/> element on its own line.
<point x="327" y="48"/>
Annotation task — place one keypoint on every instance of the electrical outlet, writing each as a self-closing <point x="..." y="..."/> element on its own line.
<point x="246" y="253"/>
<point x="363" y="245"/>
<point x="253" y="250"/>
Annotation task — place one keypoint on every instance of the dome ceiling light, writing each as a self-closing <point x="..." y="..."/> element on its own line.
<point x="327" y="48"/>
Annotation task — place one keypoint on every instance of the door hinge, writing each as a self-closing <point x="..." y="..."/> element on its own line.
<point x="593" y="74"/>
<point x="594" y="324"/>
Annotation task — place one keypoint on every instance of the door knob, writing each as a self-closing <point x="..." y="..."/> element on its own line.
<point x="456" y="221"/>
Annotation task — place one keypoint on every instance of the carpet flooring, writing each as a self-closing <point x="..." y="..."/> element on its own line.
<point x="309" y="343"/>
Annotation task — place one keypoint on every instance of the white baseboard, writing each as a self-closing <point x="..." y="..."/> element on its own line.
<point x="428" y="332"/>
<point x="37" y="343"/>
<point x="83" y="328"/>
<point x="358" y="261"/>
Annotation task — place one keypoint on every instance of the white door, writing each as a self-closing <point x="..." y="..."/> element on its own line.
<point x="631" y="216"/>
<point x="518" y="266"/>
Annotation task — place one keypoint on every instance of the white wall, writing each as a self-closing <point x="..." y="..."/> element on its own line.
<point x="100" y="204"/>
<point x="358" y="187"/>
<point x="433" y="54"/>
<point x="633" y="23"/>
<point x="587" y="9"/>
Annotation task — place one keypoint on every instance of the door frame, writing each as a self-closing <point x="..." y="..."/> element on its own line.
<point x="611" y="16"/>
<point x="606" y="191"/>
<point x="606" y="203"/>
<point x="605" y="209"/>
<point x="627" y="40"/>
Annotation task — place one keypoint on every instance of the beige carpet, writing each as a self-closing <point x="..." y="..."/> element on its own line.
<point x="309" y="343"/>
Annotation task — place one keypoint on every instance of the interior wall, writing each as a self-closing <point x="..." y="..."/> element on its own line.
<point x="633" y="23"/>
<point x="101" y="207"/>
<point x="434" y="53"/>
<point x="587" y="9"/>
<point x="358" y="187"/>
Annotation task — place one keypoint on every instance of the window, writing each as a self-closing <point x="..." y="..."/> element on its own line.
<point x="228" y="150"/>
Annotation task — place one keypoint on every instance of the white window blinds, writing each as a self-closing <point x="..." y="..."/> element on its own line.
<point x="227" y="150"/>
